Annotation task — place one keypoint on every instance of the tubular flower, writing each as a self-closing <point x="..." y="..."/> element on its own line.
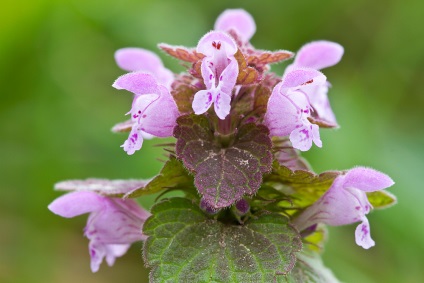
<point x="219" y="71"/>
<point x="147" y="112"/>
<point x="346" y="202"/>
<point x="137" y="59"/>
<point x="319" y="55"/>
<point x="113" y="225"/>
<point x="289" y="108"/>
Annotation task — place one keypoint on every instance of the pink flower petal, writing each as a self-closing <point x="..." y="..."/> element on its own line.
<point x="76" y="203"/>
<point x="137" y="59"/>
<point x="208" y="74"/>
<point x="367" y="179"/>
<point x="159" y="118"/>
<point x="301" y="138"/>
<point x="202" y="101"/>
<point x="238" y="20"/>
<point x="319" y="55"/>
<point x="207" y="42"/>
<point x="228" y="78"/>
<point x="319" y="101"/>
<point x="281" y="117"/>
<point x="137" y="83"/>
<point x="114" y="251"/>
<point x="363" y="235"/>
<point x="297" y="78"/>
<point x="134" y="141"/>
<point x="222" y="105"/>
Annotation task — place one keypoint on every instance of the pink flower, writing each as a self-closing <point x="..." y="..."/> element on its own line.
<point x="219" y="71"/>
<point x="153" y="110"/>
<point x="137" y="59"/>
<point x="346" y="202"/>
<point x="113" y="225"/>
<point x="289" y="108"/>
<point x="238" y="20"/>
<point x="319" y="55"/>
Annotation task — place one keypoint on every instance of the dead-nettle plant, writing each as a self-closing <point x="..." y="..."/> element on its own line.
<point x="253" y="210"/>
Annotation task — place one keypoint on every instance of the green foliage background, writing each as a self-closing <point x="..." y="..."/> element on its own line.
<point x="57" y="107"/>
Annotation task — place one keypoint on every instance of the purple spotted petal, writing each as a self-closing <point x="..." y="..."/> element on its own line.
<point x="367" y="179"/>
<point x="202" y="101"/>
<point x="134" y="141"/>
<point x="216" y="40"/>
<point x="141" y="104"/>
<point x="319" y="55"/>
<point x="222" y="105"/>
<point x="137" y="83"/>
<point x="363" y="235"/>
<point x="228" y="78"/>
<point x="346" y="202"/>
<point x="76" y="203"/>
<point x="302" y="137"/>
<point x="238" y="20"/>
<point x="208" y="73"/>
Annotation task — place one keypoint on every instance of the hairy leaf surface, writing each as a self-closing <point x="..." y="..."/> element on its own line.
<point x="223" y="173"/>
<point x="184" y="245"/>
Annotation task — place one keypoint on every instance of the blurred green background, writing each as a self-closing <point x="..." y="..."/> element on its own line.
<point x="57" y="107"/>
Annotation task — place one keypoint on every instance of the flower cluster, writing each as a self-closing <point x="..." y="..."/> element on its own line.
<point x="245" y="142"/>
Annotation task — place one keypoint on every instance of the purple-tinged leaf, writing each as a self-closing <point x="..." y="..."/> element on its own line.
<point x="223" y="174"/>
<point x="182" y="53"/>
<point x="183" y="93"/>
<point x="261" y="58"/>
<point x="247" y="75"/>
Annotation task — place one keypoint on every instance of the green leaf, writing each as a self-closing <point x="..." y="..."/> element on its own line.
<point x="224" y="171"/>
<point x="172" y="175"/>
<point x="304" y="187"/>
<point x="381" y="199"/>
<point x="184" y="245"/>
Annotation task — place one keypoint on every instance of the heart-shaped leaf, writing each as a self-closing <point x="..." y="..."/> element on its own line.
<point x="223" y="173"/>
<point x="184" y="245"/>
